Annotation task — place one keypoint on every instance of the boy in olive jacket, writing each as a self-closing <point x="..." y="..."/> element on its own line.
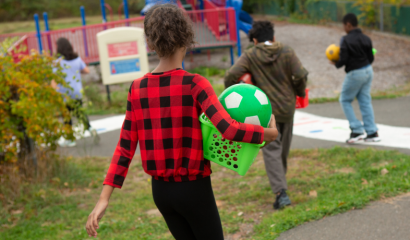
<point x="276" y="70"/>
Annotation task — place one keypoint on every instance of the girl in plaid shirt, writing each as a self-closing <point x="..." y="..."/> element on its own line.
<point x="162" y="114"/>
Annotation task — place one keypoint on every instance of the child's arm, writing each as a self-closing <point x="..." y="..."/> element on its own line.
<point x="343" y="55"/>
<point x="236" y="71"/>
<point x="118" y="169"/>
<point x="299" y="74"/>
<point x="369" y="52"/>
<point x="98" y="212"/>
<point x="230" y="129"/>
<point x="83" y="67"/>
<point x="124" y="152"/>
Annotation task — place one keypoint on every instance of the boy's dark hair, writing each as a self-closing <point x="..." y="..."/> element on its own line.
<point x="262" y="31"/>
<point x="65" y="48"/>
<point x="167" y="28"/>
<point x="350" y="18"/>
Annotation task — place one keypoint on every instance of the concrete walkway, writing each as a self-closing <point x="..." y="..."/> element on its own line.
<point x="393" y="112"/>
<point x="383" y="220"/>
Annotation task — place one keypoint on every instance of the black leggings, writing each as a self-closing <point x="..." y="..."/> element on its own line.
<point x="189" y="209"/>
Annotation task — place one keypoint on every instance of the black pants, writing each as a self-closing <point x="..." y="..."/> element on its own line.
<point x="189" y="209"/>
<point x="75" y="109"/>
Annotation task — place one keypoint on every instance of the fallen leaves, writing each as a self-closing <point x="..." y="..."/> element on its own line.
<point x="153" y="212"/>
<point x="313" y="193"/>
<point x="384" y="171"/>
<point x="15" y="212"/>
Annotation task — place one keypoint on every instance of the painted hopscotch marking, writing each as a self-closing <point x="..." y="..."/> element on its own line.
<point x="305" y="125"/>
<point x="337" y="130"/>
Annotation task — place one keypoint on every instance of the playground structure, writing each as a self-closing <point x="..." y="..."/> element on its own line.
<point x="216" y="24"/>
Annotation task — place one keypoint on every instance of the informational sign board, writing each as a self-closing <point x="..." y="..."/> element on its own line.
<point x="123" y="54"/>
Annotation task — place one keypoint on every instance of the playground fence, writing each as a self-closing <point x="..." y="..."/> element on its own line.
<point x="213" y="28"/>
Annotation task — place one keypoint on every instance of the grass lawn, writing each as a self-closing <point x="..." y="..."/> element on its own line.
<point x="322" y="182"/>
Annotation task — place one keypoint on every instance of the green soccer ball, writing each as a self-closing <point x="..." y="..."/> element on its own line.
<point x="247" y="104"/>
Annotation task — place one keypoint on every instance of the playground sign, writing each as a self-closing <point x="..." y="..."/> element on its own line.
<point x="123" y="55"/>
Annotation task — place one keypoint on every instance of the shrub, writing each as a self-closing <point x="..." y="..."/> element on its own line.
<point x="29" y="107"/>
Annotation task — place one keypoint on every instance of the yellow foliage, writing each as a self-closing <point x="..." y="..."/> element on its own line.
<point x="29" y="106"/>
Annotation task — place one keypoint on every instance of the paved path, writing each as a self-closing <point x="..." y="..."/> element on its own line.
<point x="391" y="112"/>
<point x="383" y="220"/>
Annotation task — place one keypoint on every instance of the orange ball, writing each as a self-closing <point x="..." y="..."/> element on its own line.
<point x="332" y="53"/>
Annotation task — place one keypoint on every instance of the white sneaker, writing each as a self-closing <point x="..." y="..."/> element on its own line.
<point x="355" y="137"/>
<point x="373" y="138"/>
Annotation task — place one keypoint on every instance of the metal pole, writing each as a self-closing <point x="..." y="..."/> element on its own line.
<point x="82" y="15"/>
<point x="237" y="8"/>
<point x="50" y="47"/>
<point x="381" y="17"/>
<point x="45" y="16"/>
<point x="38" y="34"/>
<point x="232" y="57"/>
<point x="104" y="17"/>
<point x="126" y="9"/>
<point x="107" y="88"/>
<point x="84" y="32"/>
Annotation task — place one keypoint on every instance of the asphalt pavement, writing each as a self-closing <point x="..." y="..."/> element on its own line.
<point x="393" y="112"/>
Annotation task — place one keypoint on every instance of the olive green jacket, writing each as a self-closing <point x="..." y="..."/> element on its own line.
<point x="277" y="71"/>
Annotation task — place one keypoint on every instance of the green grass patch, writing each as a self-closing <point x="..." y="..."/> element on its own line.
<point x="348" y="179"/>
<point x="59" y="210"/>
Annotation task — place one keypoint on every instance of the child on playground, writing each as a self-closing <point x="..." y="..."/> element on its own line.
<point x="162" y="114"/>
<point x="357" y="56"/>
<point x="277" y="70"/>
<point x="72" y="66"/>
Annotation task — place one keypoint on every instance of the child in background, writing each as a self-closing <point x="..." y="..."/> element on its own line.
<point x="162" y="114"/>
<point x="73" y="66"/>
<point x="279" y="73"/>
<point x="357" y="56"/>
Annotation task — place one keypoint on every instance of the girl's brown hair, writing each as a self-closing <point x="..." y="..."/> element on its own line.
<point x="167" y="29"/>
<point x="65" y="49"/>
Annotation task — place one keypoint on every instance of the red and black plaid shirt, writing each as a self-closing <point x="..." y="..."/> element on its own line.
<point x="162" y="115"/>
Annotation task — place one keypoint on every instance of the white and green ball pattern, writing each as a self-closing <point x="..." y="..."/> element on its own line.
<point x="247" y="104"/>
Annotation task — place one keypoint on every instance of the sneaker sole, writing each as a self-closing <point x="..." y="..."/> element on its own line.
<point x="356" y="139"/>
<point x="376" y="139"/>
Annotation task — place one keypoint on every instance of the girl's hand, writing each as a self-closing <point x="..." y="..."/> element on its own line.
<point x="271" y="133"/>
<point x="272" y="123"/>
<point x="95" y="217"/>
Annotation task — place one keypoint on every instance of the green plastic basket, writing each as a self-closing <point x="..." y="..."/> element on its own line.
<point x="237" y="156"/>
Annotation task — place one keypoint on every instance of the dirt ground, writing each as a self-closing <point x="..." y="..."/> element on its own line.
<point x="391" y="66"/>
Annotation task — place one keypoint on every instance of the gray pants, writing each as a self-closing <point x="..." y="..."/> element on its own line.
<point x="276" y="154"/>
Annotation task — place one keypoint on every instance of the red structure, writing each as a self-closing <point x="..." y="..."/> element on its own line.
<point x="214" y="28"/>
